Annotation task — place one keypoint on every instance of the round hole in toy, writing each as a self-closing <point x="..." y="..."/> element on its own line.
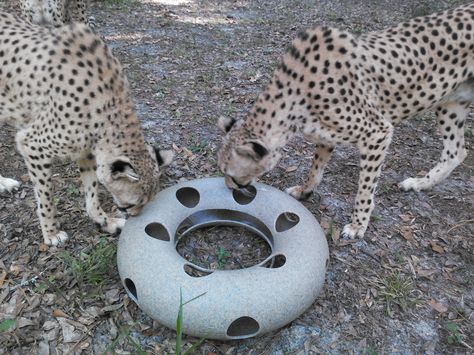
<point x="188" y="197"/>
<point x="157" y="231"/>
<point x="243" y="327"/>
<point x="245" y="195"/>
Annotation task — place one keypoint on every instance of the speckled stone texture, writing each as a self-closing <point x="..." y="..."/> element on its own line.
<point x="235" y="304"/>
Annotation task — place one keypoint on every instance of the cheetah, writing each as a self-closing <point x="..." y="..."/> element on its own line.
<point x="336" y="88"/>
<point x="68" y="97"/>
<point x="54" y="12"/>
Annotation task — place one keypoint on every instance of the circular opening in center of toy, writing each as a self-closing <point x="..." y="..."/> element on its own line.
<point x="223" y="240"/>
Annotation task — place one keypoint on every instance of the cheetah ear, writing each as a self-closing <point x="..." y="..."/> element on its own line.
<point x="121" y="168"/>
<point x="255" y="150"/>
<point x="225" y="123"/>
<point x="164" y="157"/>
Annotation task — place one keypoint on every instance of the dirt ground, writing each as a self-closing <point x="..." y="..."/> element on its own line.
<point x="407" y="287"/>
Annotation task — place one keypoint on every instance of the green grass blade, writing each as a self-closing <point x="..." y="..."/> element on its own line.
<point x="7" y="324"/>
<point x="179" y="324"/>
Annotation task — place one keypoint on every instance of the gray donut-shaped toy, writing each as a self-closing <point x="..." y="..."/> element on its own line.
<point x="235" y="304"/>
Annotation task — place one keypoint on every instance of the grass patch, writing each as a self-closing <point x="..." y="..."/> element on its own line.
<point x="222" y="256"/>
<point x="91" y="267"/>
<point x="397" y="289"/>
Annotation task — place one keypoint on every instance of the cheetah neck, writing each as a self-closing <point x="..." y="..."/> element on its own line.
<point x="121" y="137"/>
<point x="272" y="120"/>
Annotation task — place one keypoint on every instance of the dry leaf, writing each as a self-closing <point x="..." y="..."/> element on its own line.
<point x="291" y="168"/>
<point x="406" y="233"/>
<point x="43" y="247"/>
<point x="15" y="269"/>
<point x="2" y="278"/>
<point x="437" y="248"/>
<point x="324" y="224"/>
<point x="70" y="333"/>
<point x="439" y="307"/>
<point x="57" y="313"/>
<point x="335" y="235"/>
<point x="406" y="218"/>
<point x="425" y="273"/>
<point x="24" y="322"/>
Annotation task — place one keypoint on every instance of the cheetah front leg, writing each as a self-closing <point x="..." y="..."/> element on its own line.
<point x="39" y="169"/>
<point x="87" y="167"/>
<point x="372" y="154"/>
<point x="451" y="117"/>
<point x="320" y="160"/>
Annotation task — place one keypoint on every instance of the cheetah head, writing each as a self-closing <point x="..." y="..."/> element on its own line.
<point x="243" y="158"/>
<point x="133" y="179"/>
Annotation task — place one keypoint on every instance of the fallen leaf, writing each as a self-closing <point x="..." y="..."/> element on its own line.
<point x="70" y="334"/>
<point x="437" y="248"/>
<point x="57" y="313"/>
<point x="406" y="233"/>
<point x="2" y="278"/>
<point x="425" y="273"/>
<point x="15" y="270"/>
<point x="437" y="306"/>
<point x="24" y="322"/>
<point x="291" y="168"/>
<point x="406" y="217"/>
<point x="43" y="247"/>
<point x="335" y="235"/>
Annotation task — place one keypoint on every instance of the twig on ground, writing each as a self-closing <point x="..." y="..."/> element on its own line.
<point x="460" y="224"/>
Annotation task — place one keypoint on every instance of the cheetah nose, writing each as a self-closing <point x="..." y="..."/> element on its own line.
<point x="240" y="186"/>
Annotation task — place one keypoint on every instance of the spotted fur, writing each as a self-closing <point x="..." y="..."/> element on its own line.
<point x="337" y="88"/>
<point x="69" y="98"/>
<point x="55" y="12"/>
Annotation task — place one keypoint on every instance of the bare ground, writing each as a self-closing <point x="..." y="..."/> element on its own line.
<point x="407" y="287"/>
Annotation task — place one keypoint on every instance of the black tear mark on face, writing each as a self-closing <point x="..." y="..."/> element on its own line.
<point x="259" y="149"/>
<point x="119" y="166"/>
<point x="229" y="125"/>
<point x="159" y="159"/>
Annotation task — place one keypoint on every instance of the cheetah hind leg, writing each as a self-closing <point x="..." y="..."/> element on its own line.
<point x="7" y="184"/>
<point x="451" y="117"/>
<point x="320" y="160"/>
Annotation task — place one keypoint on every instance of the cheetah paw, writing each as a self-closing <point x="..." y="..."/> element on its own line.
<point x="414" y="184"/>
<point x="298" y="192"/>
<point x="350" y="231"/>
<point x="114" y="225"/>
<point x="7" y="184"/>
<point x="60" y="238"/>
